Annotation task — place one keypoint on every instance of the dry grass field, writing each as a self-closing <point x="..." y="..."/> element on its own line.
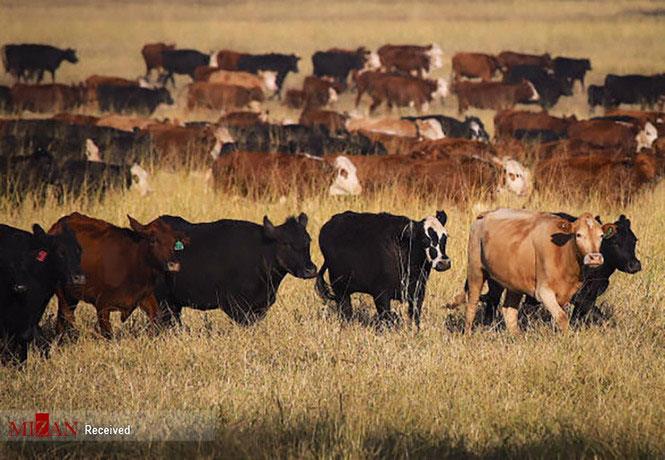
<point x="301" y="384"/>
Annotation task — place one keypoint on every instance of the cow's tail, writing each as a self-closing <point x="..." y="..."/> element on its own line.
<point x="323" y="289"/>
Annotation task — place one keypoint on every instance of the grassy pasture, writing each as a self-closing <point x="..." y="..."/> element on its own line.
<point x="301" y="384"/>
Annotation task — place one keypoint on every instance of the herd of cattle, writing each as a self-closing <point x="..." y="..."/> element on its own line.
<point x="237" y="266"/>
<point x="170" y="263"/>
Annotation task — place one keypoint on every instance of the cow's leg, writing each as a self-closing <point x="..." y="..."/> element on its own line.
<point x="66" y="319"/>
<point x="415" y="307"/>
<point x="42" y="344"/>
<point x="151" y="307"/>
<point x="52" y="75"/>
<point x="104" y="320"/>
<point x="375" y="104"/>
<point x="475" y="278"/>
<point x="386" y="315"/>
<point x="491" y="301"/>
<point x="548" y="298"/>
<point x="509" y="311"/>
<point x="344" y="306"/>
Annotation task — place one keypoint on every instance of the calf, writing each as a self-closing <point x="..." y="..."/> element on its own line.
<point x="121" y="267"/>
<point x="471" y="128"/>
<point x="152" y="55"/>
<point x="32" y="266"/>
<point x="235" y="265"/>
<point x="618" y="250"/>
<point x="386" y="256"/>
<point x="533" y="253"/>
<point x="218" y="96"/>
<point x="131" y="99"/>
<point x="475" y="65"/>
<point x="23" y="61"/>
<point x="571" y="69"/>
<point x="493" y="95"/>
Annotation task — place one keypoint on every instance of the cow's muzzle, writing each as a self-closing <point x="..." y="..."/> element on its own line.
<point x="309" y="272"/>
<point x="78" y="280"/>
<point x="633" y="266"/>
<point x="173" y="266"/>
<point x="593" y="259"/>
<point x="443" y="265"/>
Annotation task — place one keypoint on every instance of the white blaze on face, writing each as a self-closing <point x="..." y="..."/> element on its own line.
<point x="269" y="80"/>
<point x="441" y="89"/>
<point x="435" y="57"/>
<point x="222" y="137"/>
<point x="430" y="129"/>
<point x="534" y="94"/>
<point x="438" y="237"/>
<point x="213" y="59"/>
<point x="373" y="61"/>
<point x="646" y="137"/>
<point x="332" y="96"/>
<point x="144" y="83"/>
<point x="140" y="180"/>
<point x="516" y="178"/>
<point x="346" y="178"/>
<point x="92" y="151"/>
<point x="475" y="129"/>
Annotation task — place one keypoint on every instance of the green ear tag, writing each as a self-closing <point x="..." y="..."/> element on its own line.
<point x="609" y="233"/>
<point x="179" y="246"/>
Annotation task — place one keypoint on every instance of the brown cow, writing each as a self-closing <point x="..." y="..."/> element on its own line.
<point x="218" y="96"/>
<point x="319" y="92"/>
<point x="475" y="65"/>
<point x="46" y="98"/>
<point x="92" y="82"/>
<point x="403" y="91"/>
<point x="410" y="58"/>
<point x="493" y="95"/>
<point x="532" y="253"/>
<point x="510" y="59"/>
<point x="187" y="146"/>
<point x="276" y="174"/>
<point x="228" y="60"/>
<point x="295" y="98"/>
<point x="627" y="137"/>
<point x="333" y="121"/>
<point x="121" y="267"/>
<point x="655" y="118"/>
<point x="152" y="55"/>
<point x="243" y="119"/>
<point x="76" y="119"/>
<point x="507" y="122"/>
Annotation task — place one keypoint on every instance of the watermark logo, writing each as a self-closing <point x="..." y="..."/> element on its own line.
<point x="42" y="427"/>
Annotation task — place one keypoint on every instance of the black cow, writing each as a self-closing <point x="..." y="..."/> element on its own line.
<point x="32" y="265"/>
<point x="571" y="69"/>
<point x="93" y="179"/>
<point x="595" y="96"/>
<point x="280" y="63"/>
<point x="124" y="99"/>
<point x="23" y="61"/>
<point x="618" y="250"/>
<point x="5" y="99"/>
<point x="338" y="63"/>
<point x="386" y="256"/>
<point x="182" y="62"/>
<point x="550" y="88"/>
<point x="471" y="128"/>
<point x="20" y="175"/>
<point x="236" y="266"/>
<point x="645" y="90"/>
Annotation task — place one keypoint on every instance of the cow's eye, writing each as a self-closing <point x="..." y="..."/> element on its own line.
<point x="578" y="235"/>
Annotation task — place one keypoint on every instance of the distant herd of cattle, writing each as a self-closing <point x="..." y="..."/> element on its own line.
<point x="237" y="266"/>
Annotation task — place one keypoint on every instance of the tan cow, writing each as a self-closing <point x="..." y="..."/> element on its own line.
<point x="219" y="96"/>
<point x="533" y="253"/>
<point x="475" y="65"/>
<point x="264" y="81"/>
<point x="417" y="129"/>
<point x="493" y="94"/>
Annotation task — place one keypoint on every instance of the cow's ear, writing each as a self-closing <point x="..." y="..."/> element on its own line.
<point x="303" y="219"/>
<point x="442" y="216"/>
<point x="598" y="220"/>
<point x="609" y="230"/>
<point x="624" y="221"/>
<point x="561" y="238"/>
<point x="269" y="229"/>
<point x="135" y="225"/>
<point x="38" y="231"/>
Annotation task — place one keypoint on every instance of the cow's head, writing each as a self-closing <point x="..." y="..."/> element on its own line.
<point x="164" y="97"/>
<point x="586" y="64"/>
<point x="222" y="138"/>
<point x="165" y="245"/>
<point x="586" y="234"/>
<point x="372" y="62"/>
<point x="476" y="129"/>
<point x="60" y="252"/>
<point x="441" y="89"/>
<point x="70" y="56"/>
<point x="292" y="244"/>
<point x="92" y="151"/>
<point x="269" y="79"/>
<point x="514" y="178"/>
<point x="529" y="91"/>
<point x="140" y="180"/>
<point x="332" y="95"/>
<point x="346" y="178"/>
<point x="293" y="63"/>
<point x="434" y="241"/>
<point x="646" y="137"/>
<point x="430" y="128"/>
<point x="618" y="246"/>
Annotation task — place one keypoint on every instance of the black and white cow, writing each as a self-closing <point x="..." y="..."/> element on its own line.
<point x="32" y="266"/>
<point x="235" y="265"/>
<point x="26" y="60"/>
<point x="571" y="69"/>
<point x="471" y="128"/>
<point x="386" y="256"/>
<point x="280" y="63"/>
<point x="618" y="250"/>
